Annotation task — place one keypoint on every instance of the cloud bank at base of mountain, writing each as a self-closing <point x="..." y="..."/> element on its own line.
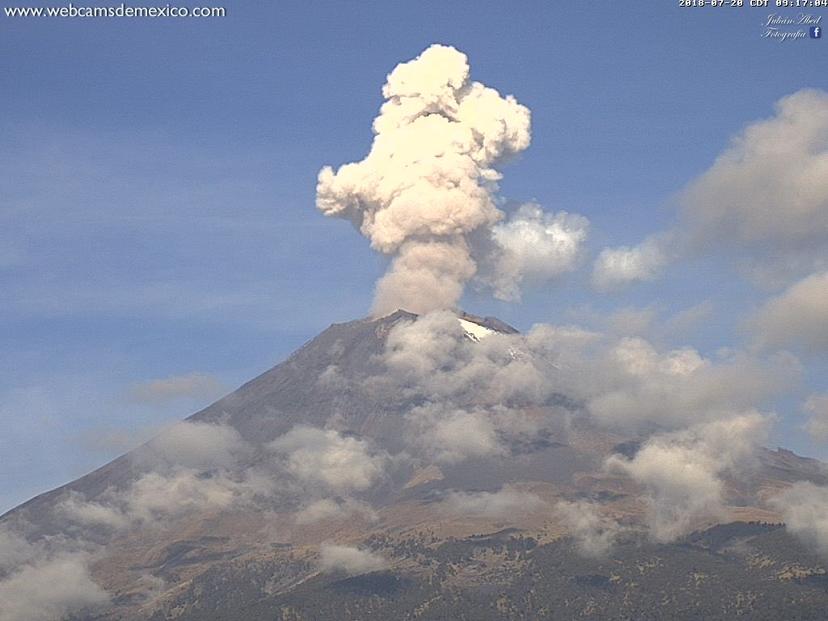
<point x="46" y="580"/>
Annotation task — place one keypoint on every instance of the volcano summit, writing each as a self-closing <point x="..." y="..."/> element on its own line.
<point x="431" y="467"/>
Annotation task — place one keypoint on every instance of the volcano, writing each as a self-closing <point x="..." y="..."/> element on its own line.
<point x="408" y="467"/>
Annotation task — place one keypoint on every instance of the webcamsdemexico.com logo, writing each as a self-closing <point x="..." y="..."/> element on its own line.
<point x="120" y="10"/>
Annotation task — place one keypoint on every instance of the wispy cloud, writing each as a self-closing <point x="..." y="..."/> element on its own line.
<point x="796" y="318"/>
<point x="193" y="385"/>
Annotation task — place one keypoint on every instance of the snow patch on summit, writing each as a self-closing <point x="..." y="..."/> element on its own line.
<point x="475" y="331"/>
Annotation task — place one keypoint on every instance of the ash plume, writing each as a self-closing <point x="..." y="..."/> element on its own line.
<point x="425" y="195"/>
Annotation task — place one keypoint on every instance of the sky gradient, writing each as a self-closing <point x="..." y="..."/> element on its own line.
<point x="159" y="243"/>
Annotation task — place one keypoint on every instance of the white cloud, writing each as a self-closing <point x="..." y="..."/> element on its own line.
<point x="76" y="509"/>
<point x="796" y="318"/>
<point x="330" y="509"/>
<point x="157" y="496"/>
<point x="633" y="383"/>
<point x="771" y="185"/>
<point x="686" y="319"/>
<point x="652" y="322"/>
<point x="45" y="581"/>
<point x="49" y="590"/>
<point x="618" y="267"/>
<point x="349" y="560"/>
<point x="451" y="436"/>
<point x="323" y="456"/>
<point x="764" y="200"/>
<point x="190" y="385"/>
<point x="623" y="382"/>
<point x="432" y="357"/>
<point x="199" y="467"/>
<point x="183" y="491"/>
<point x="681" y="471"/>
<point x="14" y="550"/>
<point x="593" y="533"/>
<point x="804" y="507"/>
<point x="197" y="445"/>
<point x="502" y="504"/>
<point x="190" y="467"/>
<point x="472" y="392"/>
<point x="535" y="246"/>
<point x="817" y="425"/>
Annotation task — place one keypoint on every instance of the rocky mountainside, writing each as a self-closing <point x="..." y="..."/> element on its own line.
<point x="405" y="468"/>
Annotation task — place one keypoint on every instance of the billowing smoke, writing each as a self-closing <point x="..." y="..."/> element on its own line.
<point x="426" y="193"/>
<point x="804" y="507"/>
<point x="683" y="471"/>
<point x="593" y="533"/>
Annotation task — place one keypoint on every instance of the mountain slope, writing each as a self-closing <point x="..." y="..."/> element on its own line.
<point x="358" y="443"/>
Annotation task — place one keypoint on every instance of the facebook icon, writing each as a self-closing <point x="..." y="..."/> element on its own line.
<point x="816" y="32"/>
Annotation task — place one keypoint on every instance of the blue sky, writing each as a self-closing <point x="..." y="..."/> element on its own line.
<point x="157" y="196"/>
